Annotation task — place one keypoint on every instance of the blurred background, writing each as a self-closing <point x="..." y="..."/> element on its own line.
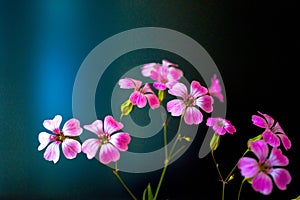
<point x="43" y="43"/>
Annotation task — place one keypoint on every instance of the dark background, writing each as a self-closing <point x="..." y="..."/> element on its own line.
<point x="43" y="43"/>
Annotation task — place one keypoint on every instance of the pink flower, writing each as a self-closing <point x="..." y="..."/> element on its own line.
<point x="140" y="95"/>
<point x="259" y="172"/>
<point x="109" y="143"/>
<point x="215" y="88"/>
<point x="187" y="105"/>
<point x="272" y="132"/>
<point x="70" y="146"/>
<point x="220" y="125"/>
<point x="165" y="75"/>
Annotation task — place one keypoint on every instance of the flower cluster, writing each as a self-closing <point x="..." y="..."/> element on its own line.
<point x="189" y="105"/>
<point x="107" y="140"/>
<point x="257" y="172"/>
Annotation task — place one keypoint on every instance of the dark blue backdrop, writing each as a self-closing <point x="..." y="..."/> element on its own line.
<point x="43" y="43"/>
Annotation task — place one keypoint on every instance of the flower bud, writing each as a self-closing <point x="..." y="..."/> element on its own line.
<point x="126" y="107"/>
<point x="161" y="95"/>
<point x="214" y="142"/>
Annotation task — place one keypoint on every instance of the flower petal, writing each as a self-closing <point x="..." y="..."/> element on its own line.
<point x="52" y="152"/>
<point x="259" y="121"/>
<point x="197" y="89"/>
<point x="269" y="120"/>
<point x="179" y="90"/>
<point x="215" y="88"/>
<point x="285" y="141"/>
<point x="108" y="153"/>
<point x="248" y="166"/>
<point x="193" y="116"/>
<point x="90" y="147"/>
<point x="70" y="148"/>
<point x="120" y="140"/>
<point x="281" y="177"/>
<point x="152" y="100"/>
<point x="128" y="83"/>
<point x="167" y="63"/>
<point x="205" y="103"/>
<point x="271" y="138"/>
<point x="260" y="149"/>
<point x="147" y="68"/>
<point x="72" y="128"/>
<point x="176" y="107"/>
<point x="276" y="158"/>
<point x="111" y="125"/>
<point x="174" y="74"/>
<point x="53" y="125"/>
<point x="44" y="139"/>
<point x="229" y="127"/>
<point x="96" y="127"/>
<point x="262" y="183"/>
<point x="138" y="98"/>
<point x="159" y="86"/>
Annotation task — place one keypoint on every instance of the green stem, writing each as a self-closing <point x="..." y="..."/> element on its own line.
<point x="235" y="166"/>
<point x="176" y="152"/>
<point x="165" y="140"/>
<point x="161" y="179"/>
<point x="124" y="184"/>
<point x="178" y="136"/>
<point x="223" y="190"/>
<point x="239" y="194"/>
<point x="217" y="166"/>
<point x="165" y="164"/>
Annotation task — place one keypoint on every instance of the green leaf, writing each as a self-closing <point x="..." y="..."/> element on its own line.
<point x="126" y="107"/>
<point x="149" y="191"/>
<point x="297" y="198"/>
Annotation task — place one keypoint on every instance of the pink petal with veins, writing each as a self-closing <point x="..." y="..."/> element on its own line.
<point x="111" y="125"/>
<point x="260" y="149"/>
<point x="53" y="125"/>
<point x="138" y="98"/>
<point x="262" y="183"/>
<point x="271" y="138"/>
<point x="259" y="121"/>
<point x="281" y="178"/>
<point x="44" y="139"/>
<point x="285" y="141"/>
<point x="159" y="86"/>
<point x="276" y="158"/>
<point x="90" y="147"/>
<point x="193" y="116"/>
<point x="96" y="127"/>
<point x="205" y="103"/>
<point x="147" y="68"/>
<point x="108" y="153"/>
<point x="71" y="148"/>
<point x="120" y="140"/>
<point x="152" y="100"/>
<point x="128" y="83"/>
<point x="72" y="128"/>
<point x="197" y="90"/>
<point x="248" y="166"/>
<point x="176" y="107"/>
<point x="179" y="90"/>
<point x="52" y="152"/>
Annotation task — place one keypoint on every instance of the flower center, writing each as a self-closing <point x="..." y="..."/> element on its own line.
<point x="190" y="101"/>
<point x="220" y="123"/>
<point x="264" y="167"/>
<point x="60" y="137"/>
<point x="104" y="138"/>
